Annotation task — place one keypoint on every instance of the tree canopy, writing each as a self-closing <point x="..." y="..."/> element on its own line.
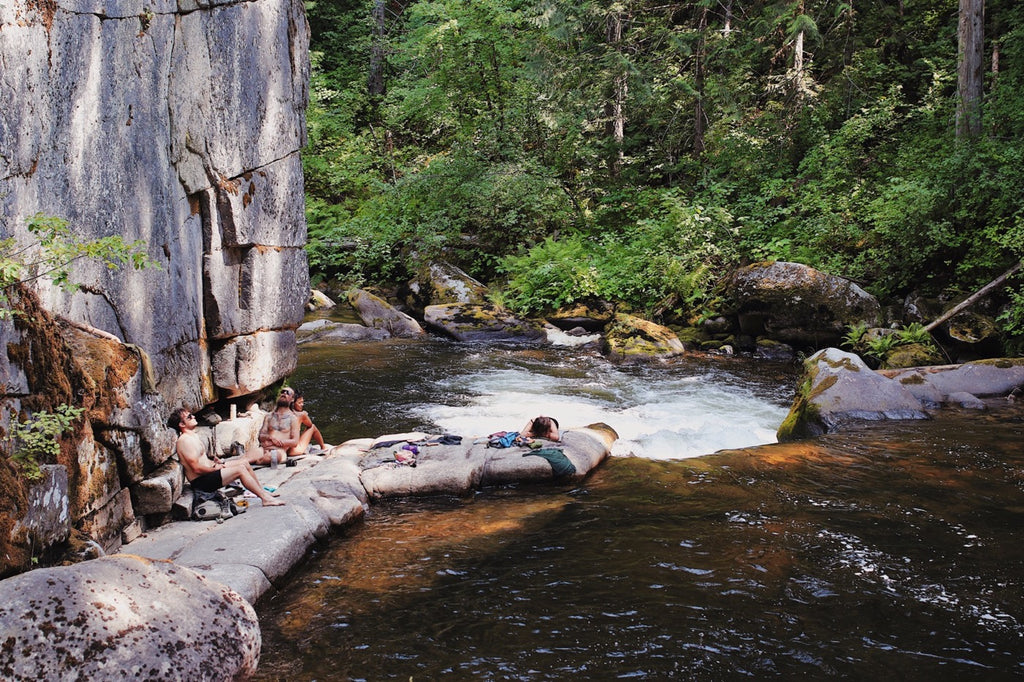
<point x="634" y="150"/>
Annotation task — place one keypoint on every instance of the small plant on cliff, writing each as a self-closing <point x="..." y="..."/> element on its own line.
<point x="36" y="438"/>
<point x="53" y="252"/>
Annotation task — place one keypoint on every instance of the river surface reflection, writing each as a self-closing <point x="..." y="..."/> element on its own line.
<point x="891" y="551"/>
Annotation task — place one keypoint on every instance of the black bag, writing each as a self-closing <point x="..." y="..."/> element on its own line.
<point x="213" y="506"/>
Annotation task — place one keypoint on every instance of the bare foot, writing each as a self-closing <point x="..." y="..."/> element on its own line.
<point x="273" y="503"/>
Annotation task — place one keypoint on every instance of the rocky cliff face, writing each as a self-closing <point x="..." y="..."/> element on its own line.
<point x="179" y="123"/>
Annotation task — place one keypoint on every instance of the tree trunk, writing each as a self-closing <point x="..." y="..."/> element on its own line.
<point x="970" y="300"/>
<point x="699" y="114"/>
<point x="615" y="108"/>
<point x="970" y="70"/>
<point x="375" y="81"/>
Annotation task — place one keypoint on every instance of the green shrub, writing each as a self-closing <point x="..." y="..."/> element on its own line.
<point x="36" y="438"/>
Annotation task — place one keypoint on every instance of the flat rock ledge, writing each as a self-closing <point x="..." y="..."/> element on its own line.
<point x="252" y="551"/>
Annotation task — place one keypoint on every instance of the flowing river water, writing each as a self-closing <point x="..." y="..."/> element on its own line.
<point x="889" y="551"/>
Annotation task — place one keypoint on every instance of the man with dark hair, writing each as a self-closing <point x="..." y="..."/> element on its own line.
<point x="206" y="474"/>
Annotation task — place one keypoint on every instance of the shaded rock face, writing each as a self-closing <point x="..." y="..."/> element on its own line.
<point x="591" y="316"/>
<point x="125" y="617"/>
<point x="797" y="304"/>
<point x="179" y="125"/>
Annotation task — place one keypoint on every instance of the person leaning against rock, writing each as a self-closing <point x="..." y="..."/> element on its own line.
<point x="206" y="474"/>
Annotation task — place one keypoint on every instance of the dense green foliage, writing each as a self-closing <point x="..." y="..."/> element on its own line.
<point x="632" y="150"/>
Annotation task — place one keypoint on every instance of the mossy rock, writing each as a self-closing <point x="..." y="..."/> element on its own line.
<point x="838" y="388"/>
<point x="912" y="355"/>
<point x="593" y="316"/>
<point x="971" y="328"/>
<point x="477" y="322"/>
<point x="633" y="338"/>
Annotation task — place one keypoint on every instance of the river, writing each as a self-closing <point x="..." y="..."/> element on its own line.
<point x="888" y="551"/>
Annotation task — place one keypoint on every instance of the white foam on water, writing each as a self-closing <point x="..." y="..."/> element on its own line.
<point x="660" y="414"/>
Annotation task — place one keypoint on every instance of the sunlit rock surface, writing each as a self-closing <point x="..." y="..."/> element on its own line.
<point x="180" y="125"/>
<point x="838" y="388"/>
<point x="633" y="338"/>
<point x="377" y="313"/>
<point x="124" y="617"/>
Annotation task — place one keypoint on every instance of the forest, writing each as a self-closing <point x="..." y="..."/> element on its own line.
<point x="635" y="150"/>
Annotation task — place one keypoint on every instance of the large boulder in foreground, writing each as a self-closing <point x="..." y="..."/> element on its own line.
<point x="797" y="304"/>
<point x="480" y="322"/>
<point x="124" y="617"/>
<point x="838" y="388"/>
<point x="633" y="338"/>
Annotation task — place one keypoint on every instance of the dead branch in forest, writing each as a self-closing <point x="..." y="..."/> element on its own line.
<point x="970" y="300"/>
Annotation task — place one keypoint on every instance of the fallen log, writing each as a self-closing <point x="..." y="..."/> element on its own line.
<point x="970" y="300"/>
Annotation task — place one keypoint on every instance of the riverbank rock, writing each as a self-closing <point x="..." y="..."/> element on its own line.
<point x="479" y="322"/>
<point x="326" y="331"/>
<point x="797" y="304"/>
<point x="838" y="388"/>
<point x="633" y="338"/>
<point x="440" y="283"/>
<point x="591" y="317"/>
<point x="982" y="378"/>
<point x="377" y="313"/>
<point x="459" y="468"/>
<point x="124" y="617"/>
<point x="318" y="300"/>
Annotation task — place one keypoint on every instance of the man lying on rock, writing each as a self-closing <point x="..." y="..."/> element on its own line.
<point x="206" y="474"/>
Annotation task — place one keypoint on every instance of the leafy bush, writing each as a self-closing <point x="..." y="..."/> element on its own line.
<point x="36" y="438"/>
<point x="670" y="259"/>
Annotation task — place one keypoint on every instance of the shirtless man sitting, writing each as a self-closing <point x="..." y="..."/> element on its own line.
<point x="279" y="433"/>
<point x="206" y="474"/>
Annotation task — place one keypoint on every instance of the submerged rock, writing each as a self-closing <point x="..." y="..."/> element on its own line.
<point x="125" y="617"/>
